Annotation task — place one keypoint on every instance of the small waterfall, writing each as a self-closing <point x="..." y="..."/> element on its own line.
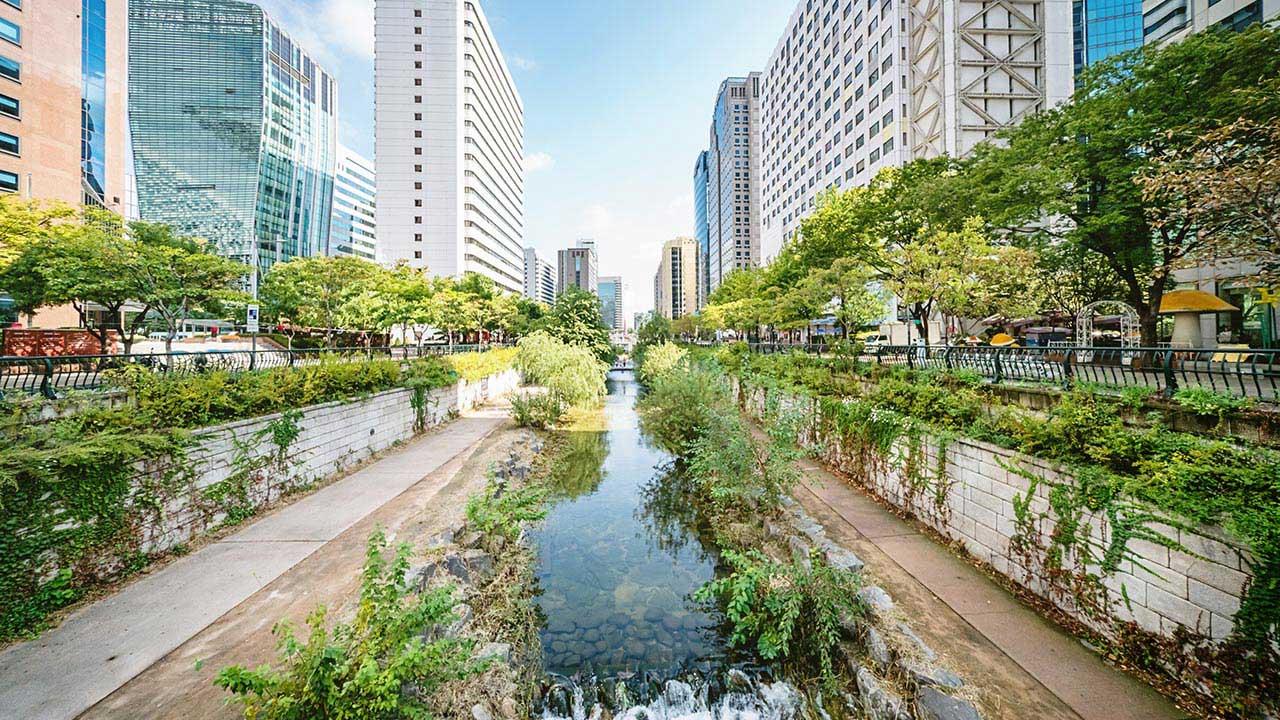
<point x="690" y="697"/>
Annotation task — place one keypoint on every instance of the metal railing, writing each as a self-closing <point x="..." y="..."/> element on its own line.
<point x="49" y="376"/>
<point x="1244" y="373"/>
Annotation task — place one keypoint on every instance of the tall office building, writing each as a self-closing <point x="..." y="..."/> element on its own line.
<point x="449" y="131"/>
<point x="1176" y="19"/>
<point x="577" y="267"/>
<point x="539" y="278"/>
<point x="733" y="179"/>
<point x="234" y="129"/>
<point x="611" y="310"/>
<point x="353" y="231"/>
<point x="1102" y="28"/>
<point x="675" y="284"/>
<point x="701" y="224"/>
<point x="62" y="100"/>
<point x="853" y="87"/>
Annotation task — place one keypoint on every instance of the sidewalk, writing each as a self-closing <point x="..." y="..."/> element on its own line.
<point x="102" y="646"/>
<point x="1025" y="666"/>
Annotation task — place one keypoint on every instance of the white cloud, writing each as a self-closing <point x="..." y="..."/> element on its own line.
<point x="629" y="240"/>
<point x="523" y="63"/>
<point x="328" y="29"/>
<point x="538" y="161"/>
<point x="349" y="25"/>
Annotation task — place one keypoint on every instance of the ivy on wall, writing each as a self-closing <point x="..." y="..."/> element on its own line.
<point x="1139" y="479"/>
<point x="78" y="495"/>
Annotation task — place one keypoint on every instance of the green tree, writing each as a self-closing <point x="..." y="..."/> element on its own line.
<point x="844" y="288"/>
<point x="179" y="276"/>
<point x="575" y="319"/>
<point x="962" y="274"/>
<point x="1071" y="172"/>
<point x="320" y="292"/>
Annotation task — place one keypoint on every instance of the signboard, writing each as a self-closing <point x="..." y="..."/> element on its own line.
<point x="251" y="322"/>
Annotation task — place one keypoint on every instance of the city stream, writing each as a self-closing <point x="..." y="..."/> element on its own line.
<point x="619" y="561"/>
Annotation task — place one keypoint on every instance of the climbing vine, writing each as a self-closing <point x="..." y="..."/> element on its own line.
<point x="1132" y="483"/>
<point x="82" y="495"/>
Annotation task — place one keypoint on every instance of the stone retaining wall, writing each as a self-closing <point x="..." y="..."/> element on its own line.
<point x="972" y="497"/>
<point x="242" y="466"/>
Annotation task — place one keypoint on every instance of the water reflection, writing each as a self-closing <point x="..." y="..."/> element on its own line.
<point x="619" y="558"/>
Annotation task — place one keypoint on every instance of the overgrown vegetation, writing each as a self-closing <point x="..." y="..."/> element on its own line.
<point x="74" y="506"/>
<point x="384" y="663"/>
<point x="790" y="611"/>
<point x="659" y="360"/>
<point x="1140" y="479"/>
<point x="572" y="374"/>
<point x="500" y="510"/>
<point x="536" y="410"/>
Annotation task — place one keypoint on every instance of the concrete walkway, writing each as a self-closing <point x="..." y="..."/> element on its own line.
<point x="100" y="647"/>
<point x="1025" y="666"/>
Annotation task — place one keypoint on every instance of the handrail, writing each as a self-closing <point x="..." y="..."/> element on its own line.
<point x="51" y="375"/>
<point x="1239" y="372"/>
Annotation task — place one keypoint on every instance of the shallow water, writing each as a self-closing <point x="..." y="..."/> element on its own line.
<point x="619" y="562"/>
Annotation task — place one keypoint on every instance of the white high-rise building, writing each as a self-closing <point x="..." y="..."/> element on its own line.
<point x="353" y="230"/>
<point x="539" y="278"/>
<point x="449" y="132"/>
<point x="854" y="86"/>
<point x="1176" y="19"/>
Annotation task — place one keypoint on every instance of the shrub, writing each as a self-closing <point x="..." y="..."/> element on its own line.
<point x="660" y="360"/>
<point x="474" y="366"/>
<point x="541" y="411"/>
<point x="1207" y="403"/>
<point x="680" y="406"/>
<point x="789" y="611"/>
<point x="570" y="373"/>
<point x="378" y="665"/>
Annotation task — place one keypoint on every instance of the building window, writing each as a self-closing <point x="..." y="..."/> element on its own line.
<point x="417" y="64"/>
<point x="417" y="133"/>
<point x="417" y="31"/>
<point x="417" y="219"/>
<point x="10" y="69"/>
<point x="417" y="99"/>
<point x="417" y="202"/>
<point x="10" y="31"/>
<point x="9" y="143"/>
<point x="8" y="181"/>
<point x="417" y="237"/>
<point x="10" y="106"/>
<point x="417" y="13"/>
<point x="417" y="116"/>
<point x="417" y="254"/>
<point x="417" y="186"/>
<point x="417" y="48"/>
<point x="417" y="151"/>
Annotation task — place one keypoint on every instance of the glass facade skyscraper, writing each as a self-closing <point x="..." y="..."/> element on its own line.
<point x="1103" y="28"/>
<point x="93" y="102"/>
<point x="701" y="226"/>
<point x="234" y="129"/>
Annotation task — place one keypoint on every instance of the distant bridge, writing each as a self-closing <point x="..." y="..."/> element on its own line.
<point x="623" y="363"/>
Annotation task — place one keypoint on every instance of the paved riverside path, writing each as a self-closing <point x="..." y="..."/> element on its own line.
<point x="1025" y="666"/>
<point x="101" y="646"/>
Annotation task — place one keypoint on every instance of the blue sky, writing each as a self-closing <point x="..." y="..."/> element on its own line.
<point x="618" y="97"/>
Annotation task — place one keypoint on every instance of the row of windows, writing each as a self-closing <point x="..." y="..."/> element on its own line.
<point x="10" y="106"/>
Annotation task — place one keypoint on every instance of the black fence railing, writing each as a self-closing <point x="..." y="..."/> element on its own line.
<point x="50" y="376"/>
<point x="1244" y="372"/>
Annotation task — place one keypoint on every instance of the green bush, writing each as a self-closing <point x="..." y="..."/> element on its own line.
<point x="789" y="611"/>
<point x="377" y="666"/>
<point x="572" y="374"/>
<point x="660" y="360"/>
<point x="1207" y="403"/>
<point x="680" y="407"/>
<point x="541" y="411"/>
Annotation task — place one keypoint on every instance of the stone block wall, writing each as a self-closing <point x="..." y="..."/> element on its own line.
<point x="242" y="466"/>
<point x="970" y="492"/>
